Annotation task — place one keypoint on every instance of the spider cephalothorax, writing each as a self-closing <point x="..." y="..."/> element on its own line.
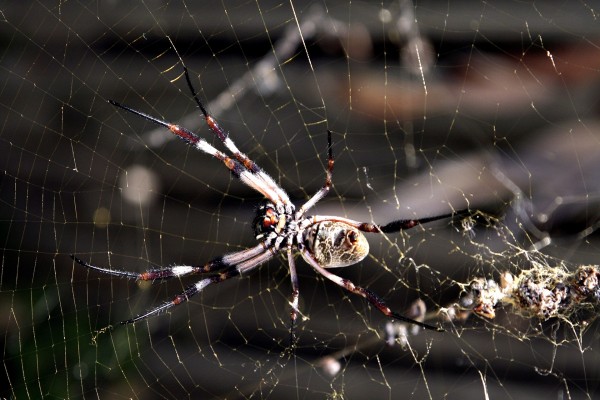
<point x="268" y="220"/>
<point x="323" y="241"/>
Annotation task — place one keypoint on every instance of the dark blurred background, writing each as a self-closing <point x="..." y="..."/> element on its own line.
<point x="434" y="106"/>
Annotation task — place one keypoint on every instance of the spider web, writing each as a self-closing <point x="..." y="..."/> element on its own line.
<point x="434" y="107"/>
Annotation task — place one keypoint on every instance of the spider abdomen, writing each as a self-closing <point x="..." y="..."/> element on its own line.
<point x="335" y="244"/>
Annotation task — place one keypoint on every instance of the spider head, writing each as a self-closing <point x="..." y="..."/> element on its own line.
<point x="267" y="220"/>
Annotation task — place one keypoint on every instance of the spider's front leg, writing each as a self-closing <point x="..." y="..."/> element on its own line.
<point x="227" y="266"/>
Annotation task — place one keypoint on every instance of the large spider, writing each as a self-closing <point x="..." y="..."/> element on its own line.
<point x="323" y="241"/>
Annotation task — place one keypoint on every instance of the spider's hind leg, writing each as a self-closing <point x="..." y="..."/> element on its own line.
<point x="185" y="295"/>
<point x="154" y="274"/>
<point x="179" y="271"/>
<point x="109" y="271"/>
<point x="372" y="297"/>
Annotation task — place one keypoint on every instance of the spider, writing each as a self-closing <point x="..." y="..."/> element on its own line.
<point x="324" y="242"/>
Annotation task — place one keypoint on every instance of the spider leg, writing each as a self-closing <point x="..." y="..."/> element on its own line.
<point x="254" y="180"/>
<point x="196" y="288"/>
<point x="183" y="296"/>
<point x="328" y="180"/>
<point x="390" y="227"/>
<point x="396" y="226"/>
<point x="216" y="264"/>
<point x="115" y="272"/>
<point x="295" y="293"/>
<point x="372" y="297"/>
<point x="250" y="165"/>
